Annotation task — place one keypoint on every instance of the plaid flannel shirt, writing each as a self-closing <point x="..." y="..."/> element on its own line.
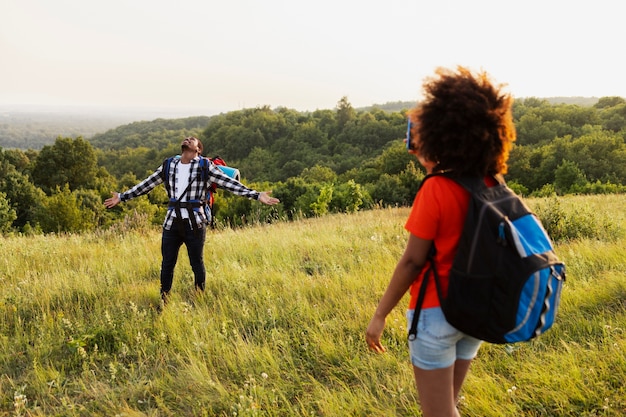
<point x="197" y="191"/>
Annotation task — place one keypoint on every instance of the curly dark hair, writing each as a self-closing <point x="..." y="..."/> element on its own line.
<point x="464" y="123"/>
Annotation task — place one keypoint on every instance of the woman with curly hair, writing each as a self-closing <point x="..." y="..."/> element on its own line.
<point x="464" y="125"/>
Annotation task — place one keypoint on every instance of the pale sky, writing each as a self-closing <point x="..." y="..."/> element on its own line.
<point x="233" y="54"/>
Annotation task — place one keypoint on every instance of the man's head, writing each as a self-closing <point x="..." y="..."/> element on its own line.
<point x="192" y="144"/>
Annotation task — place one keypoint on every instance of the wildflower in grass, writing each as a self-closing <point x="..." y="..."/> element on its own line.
<point x="108" y="318"/>
<point x="512" y="390"/>
<point x="112" y="371"/>
<point x="509" y="349"/>
<point x="19" y="402"/>
<point x="67" y="324"/>
<point x="82" y="352"/>
<point x="264" y="375"/>
<point x="124" y="350"/>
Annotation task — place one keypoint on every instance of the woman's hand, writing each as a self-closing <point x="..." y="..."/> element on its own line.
<point x="374" y="332"/>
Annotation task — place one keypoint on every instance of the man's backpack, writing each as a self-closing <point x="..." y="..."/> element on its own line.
<point x="231" y="172"/>
<point x="505" y="282"/>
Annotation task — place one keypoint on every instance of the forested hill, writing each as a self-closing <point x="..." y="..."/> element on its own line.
<point x="29" y="127"/>
<point x="339" y="160"/>
<point x="157" y="134"/>
<point x="277" y="144"/>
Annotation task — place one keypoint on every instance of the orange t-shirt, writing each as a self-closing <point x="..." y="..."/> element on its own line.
<point x="438" y="214"/>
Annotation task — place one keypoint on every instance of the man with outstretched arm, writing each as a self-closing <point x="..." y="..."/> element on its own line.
<point x="186" y="218"/>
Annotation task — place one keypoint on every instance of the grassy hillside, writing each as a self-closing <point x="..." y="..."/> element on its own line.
<point x="280" y="328"/>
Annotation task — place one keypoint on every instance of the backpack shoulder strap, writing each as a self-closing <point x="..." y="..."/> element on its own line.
<point x="204" y="168"/>
<point x="447" y="174"/>
<point x="165" y="173"/>
<point x="474" y="184"/>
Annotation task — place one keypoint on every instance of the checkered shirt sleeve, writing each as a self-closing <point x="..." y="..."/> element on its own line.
<point x="224" y="181"/>
<point x="144" y="187"/>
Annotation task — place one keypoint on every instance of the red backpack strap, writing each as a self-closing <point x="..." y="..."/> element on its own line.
<point x="218" y="161"/>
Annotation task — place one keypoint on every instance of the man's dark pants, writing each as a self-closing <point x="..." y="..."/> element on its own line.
<point x="170" y="245"/>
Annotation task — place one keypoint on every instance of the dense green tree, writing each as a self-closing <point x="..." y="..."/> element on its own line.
<point x="532" y="130"/>
<point x="600" y="155"/>
<point x="325" y="120"/>
<point x="519" y="164"/>
<point x="321" y="205"/>
<point x="345" y="113"/>
<point x="310" y="134"/>
<point x="139" y="161"/>
<point x="289" y="192"/>
<point x="23" y="196"/>
<point x="567" y="176"/>
<point x="389" y="191"/>
<point x="261" y="164"/>
<point x="319" y="174"/>
<point x="69" y="161"/>
<point x="293" y="168"/>
<point x="411" y="178"/>
<point x="605" y="102"/>
<point x="348" y="197"/>
<point x="235" y="134"/>
<point x="7" y="214"/>
<point x="18" y="158"/>
<point x="61" y="212"/>
<point x="370" y="132"/>
<point x="614" y="118"/>
<point x="367" y="173"/>
<point x="394" y="159"/>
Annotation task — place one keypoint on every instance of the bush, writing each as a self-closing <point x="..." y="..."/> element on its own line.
<point x="578" y="222"/>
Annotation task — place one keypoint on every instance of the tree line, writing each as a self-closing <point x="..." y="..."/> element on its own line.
<point x="325" y="161"/>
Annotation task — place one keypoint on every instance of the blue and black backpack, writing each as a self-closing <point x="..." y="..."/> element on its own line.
<point x="505" y="282"/>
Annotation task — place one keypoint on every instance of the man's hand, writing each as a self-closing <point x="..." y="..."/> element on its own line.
<point x="264" y="197"/>
<point x="113" y="201"/>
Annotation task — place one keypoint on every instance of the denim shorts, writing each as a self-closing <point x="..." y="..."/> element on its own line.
<point x="438" y="344"/>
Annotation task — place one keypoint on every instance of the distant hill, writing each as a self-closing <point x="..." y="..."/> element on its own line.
<point x="579" y="101"/>
<point x="33" y="127"/>
<point x="394" y="106"/>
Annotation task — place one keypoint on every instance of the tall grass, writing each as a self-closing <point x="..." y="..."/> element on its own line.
<point x="279" y="330"/>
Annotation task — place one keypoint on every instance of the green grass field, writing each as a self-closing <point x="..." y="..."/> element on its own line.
<point x="279" y="330"/>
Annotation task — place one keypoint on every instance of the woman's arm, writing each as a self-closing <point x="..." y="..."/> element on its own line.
<point x="407" y="269"/>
